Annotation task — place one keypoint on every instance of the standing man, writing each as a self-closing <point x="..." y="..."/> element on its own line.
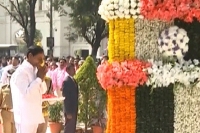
<point x="14" y="64"/>
<point x="70" y="92"/>
<point x="27" y="87"/>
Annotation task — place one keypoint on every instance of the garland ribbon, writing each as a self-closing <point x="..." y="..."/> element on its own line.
<point x="121" y="40"/>
<point x="121" y="110"/>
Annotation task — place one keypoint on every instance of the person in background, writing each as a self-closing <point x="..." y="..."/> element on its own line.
<point x="70" y="92"/>
<point x="67" y="59"/>
<point x="14" y="64"/>
<point x="42" y="128"/>
<point x="104" y="59"/>
<point x="80" y="63"/>
<point x="58" y="77"/>
<point x="7" y="106"/>
<point x="27" y="87"/>
<point x="4" y="64"/>
<point x="51" y="69"/>
<point x="76" y="66"/>
<point x="71" y="61"/>
<point x="9" y="60"/>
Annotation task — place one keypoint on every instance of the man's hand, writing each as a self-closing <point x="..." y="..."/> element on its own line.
<point x="42" y="70"/>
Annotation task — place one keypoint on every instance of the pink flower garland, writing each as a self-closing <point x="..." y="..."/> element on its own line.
<point x="168" y="10"/>
<point x="127" y="73"/>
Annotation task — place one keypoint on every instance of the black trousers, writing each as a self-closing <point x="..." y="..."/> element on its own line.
<point x="70" y="124"/>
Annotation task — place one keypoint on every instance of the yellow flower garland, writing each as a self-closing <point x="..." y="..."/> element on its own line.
<point x="121" y="40"/>
<point x="121" y="101"/>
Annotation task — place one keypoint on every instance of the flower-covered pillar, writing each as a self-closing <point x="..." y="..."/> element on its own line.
<point x="115" y="75"/>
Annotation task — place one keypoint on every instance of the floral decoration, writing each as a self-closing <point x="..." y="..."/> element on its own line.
<point x="186" y="111"/>
<point x="168" y="10"/>
<point x="121" y="110"/>
<point x="173" y="42"/>
<point x="146" y="36"/>
<point x="121" y="40"/>
<point x="117" y="74"/>
<point x="155" y="110"/>
<point x="185" y="73"/>
<point x="113" y="9"/>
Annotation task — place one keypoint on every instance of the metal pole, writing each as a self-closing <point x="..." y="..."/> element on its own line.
<point x="51" y="18"/>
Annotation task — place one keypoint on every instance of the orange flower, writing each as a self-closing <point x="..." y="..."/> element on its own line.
<point x="121" y="110"/>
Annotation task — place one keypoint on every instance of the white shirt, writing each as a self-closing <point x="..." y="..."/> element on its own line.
<point x="27" y="92"/>
<point x="4" y="77"/>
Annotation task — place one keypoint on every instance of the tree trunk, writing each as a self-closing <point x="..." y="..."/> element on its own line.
<point x="32" y="22"/>
<point x="95" y="48"/>
<point x="26" y="36"/>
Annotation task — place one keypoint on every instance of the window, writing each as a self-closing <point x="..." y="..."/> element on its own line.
<point x="40" y="5"/>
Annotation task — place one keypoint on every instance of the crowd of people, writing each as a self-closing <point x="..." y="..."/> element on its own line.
<point x="24" y="80"/>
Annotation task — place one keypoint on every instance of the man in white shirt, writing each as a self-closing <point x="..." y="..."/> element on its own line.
<point x="27" y="87"/>
<point x="14" y="64"/>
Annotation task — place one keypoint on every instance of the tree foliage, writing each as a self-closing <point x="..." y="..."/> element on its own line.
<point x="23" y="12"/>
<point x="89" y="90"/>
<point x="86" y="20"/>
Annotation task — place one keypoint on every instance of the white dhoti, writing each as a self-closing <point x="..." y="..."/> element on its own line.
<point x="22" y="128"/>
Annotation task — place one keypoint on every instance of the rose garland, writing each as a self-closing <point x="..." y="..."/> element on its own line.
<point x="168" y="10"/>
<point x="118" y="74"/>
<point x="173" y="42"/>
<point x="146" y="35"/>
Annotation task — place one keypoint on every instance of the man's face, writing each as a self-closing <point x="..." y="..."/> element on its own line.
<point x="71" y="61"/>
<point x="37" y="60"/>
<point x="76" y="62"/>
<point x="15" y="62"/>
<point x="62" y="63"/>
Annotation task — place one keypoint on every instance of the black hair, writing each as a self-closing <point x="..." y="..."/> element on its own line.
<point x="69" y="67"/>
<point x="62" y="59"/>
<point x="68" y="57"/>
<point x="34" y="50"/>
<point x="16" y="57"/>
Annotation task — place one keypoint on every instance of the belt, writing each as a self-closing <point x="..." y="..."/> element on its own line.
<point x="7" y="109"/>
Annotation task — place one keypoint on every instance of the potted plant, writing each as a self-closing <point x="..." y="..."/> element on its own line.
<point x="98" y="122"/>
<point x="88" y="90"/>
<point x="55" y="117"/>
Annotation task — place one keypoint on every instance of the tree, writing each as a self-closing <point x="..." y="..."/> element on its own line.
<point x="89" y="88"/>
<point x="86" y="20"/>
<point x="23" y="12"/>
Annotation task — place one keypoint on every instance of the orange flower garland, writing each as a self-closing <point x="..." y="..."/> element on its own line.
<point x="121" y="110"/>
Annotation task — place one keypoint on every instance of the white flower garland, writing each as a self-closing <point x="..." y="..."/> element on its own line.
<point x="113" y="9"/>
<point x="173" y="42"/>
<point x="146" y="38"/>
<point x="162" y="75"/>
<point x="186" y="110"/>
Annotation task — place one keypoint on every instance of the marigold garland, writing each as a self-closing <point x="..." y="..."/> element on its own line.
<point x="121" y="40"/>
<point x="121" y="110"/>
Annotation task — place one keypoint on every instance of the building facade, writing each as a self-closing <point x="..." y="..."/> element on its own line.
<point x="61" y="30"/>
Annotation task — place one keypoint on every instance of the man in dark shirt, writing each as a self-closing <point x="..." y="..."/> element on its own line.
<point x="70" y="92"/>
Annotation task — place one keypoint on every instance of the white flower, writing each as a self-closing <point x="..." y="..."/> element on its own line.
<point x="126" y="8"/>
<point x="176" y="41"/>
